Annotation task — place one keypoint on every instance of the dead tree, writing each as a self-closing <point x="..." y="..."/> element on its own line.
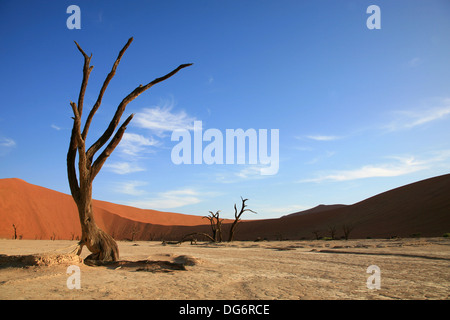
<point x="237" y="218"/>
<point x="216" y="225"/>
<point x="134" y="231"/>
<point x="347" y="228"/>
<point x="15" y="231"/>
<point x="102" y="245"/>
<point x="332" y="230"/>
<point x="316" y="234"/>
<point x="213" y="225"/>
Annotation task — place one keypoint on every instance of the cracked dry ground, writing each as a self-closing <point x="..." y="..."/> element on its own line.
<point x="410" y="269"/>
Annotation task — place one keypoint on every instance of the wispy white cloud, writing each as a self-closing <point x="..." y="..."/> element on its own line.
<point x="7" y="142"/>
<point x="407" y="119"/>
<point x="399" y="166"/>
<point x="6" y="145"/>
<point x="161" y="120"/>
<point x="131" y="188"/>
<point x="250" y="171"/>
<point x="170" y="199"/>
<point x="414" y="62"/>
<point x="133" y="144"/>
<point x="54" y="126"/>
<point x="124" y="167"/>
<point x="321" y="157"/>
<point x="240" y="173"/>
<point x="323" y="138"/>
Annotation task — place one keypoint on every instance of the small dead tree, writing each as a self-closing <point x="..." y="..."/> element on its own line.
<point x="15" y="231"/>
<point x="216" y="225"/>
<point x="347" y="228"/>
<point x="316" y="234"/>
<point x="213" y="225"/>
<point x="102" y="245"/>
<point x="237" y="218"/>
<point x="134" y="231"/>
<point x="332" y="230"/>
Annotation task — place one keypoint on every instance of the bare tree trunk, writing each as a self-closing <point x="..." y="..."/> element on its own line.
<point x="102" y="245"/>
<point x="219" y="227"/>
<point x="232" y="230"/>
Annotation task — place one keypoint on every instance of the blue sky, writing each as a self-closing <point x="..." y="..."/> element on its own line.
<point x="358" y="111"/>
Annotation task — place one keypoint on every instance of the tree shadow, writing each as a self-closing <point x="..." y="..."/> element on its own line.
<point x="179" y="263"/>
<point x="141" y="265"/>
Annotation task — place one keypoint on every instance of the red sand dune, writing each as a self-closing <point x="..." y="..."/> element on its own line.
<point x="419" y="208"/>
<point x="39" y="213"/>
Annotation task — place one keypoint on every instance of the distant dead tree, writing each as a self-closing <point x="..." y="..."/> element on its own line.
<point x="237" y="218"/>
<point x="347" y="228"/>
<point x="15" y="231"/>
<point x="133" y="232"/>
<point x="102" y="245"/>
<point x="216" y="225"/>
<point x="332" y="230"/>
<point x="316" y="234"/>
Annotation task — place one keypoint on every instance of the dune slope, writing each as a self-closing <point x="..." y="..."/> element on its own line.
<point x="419" y="208"/>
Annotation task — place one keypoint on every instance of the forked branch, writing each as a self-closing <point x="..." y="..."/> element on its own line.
<point x="78" y="137"/>
<point x="103" y="89"/>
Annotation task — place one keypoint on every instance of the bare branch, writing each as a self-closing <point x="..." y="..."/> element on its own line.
<point x="81" y="50"/>
<point x="86" y="72"/>
<point x="110" y="148"/>
<point x="238" y="215"/>
<point x="121" y="108"/>
<point x="103" y="89"/>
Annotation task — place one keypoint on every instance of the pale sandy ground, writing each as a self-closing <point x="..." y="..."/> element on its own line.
<point x="410" y="269"/>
